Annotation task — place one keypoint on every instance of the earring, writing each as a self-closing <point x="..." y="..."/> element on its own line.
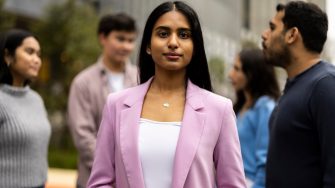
<point x="148" y="51"/>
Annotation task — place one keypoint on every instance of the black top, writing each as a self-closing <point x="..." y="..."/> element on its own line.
<point x="302" y="132"/>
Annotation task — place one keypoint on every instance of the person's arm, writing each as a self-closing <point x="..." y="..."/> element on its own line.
<point x="262" y="113"/>
<point x="103" y="170"/>
<point x="227" y="153"/>
<point x="322" y="107"/>
<point x="81" y="122"/>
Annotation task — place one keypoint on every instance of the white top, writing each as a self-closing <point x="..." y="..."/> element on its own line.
<point x="116" y="81"/>
<point x="157" y="146"/>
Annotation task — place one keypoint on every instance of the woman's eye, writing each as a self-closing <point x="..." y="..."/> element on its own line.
<point x="163" y="34"/>
<point x="185" y="34"/>
<point x="29" y="50"/>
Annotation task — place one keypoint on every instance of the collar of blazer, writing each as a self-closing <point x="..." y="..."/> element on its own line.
<point x="189" y="136"/>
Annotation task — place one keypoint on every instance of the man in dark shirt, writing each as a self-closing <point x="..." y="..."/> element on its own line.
<point x="302" y="126"/>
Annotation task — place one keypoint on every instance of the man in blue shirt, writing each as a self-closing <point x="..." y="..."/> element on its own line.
<point x="302" y="126"/>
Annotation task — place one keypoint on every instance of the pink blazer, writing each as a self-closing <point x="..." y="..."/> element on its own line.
<point x="208" y="150"/>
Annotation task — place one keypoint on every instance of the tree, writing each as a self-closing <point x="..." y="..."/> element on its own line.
<point x="68" y="39"/>
<point x="7" y="20"/>
<point x="69" y="43"/>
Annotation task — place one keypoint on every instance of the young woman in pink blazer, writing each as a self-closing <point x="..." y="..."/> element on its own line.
<point x="170" y="131"/>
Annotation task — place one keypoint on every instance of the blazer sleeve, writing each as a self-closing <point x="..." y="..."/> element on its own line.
<point x="81" y="122"/>
<point x="103" y="170"/>
<point x="227" y="153"/>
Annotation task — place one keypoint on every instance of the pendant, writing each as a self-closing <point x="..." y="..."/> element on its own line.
<point x="166" y="105"/>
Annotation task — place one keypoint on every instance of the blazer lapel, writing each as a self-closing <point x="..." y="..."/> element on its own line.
<point x="129" y="130"/>
<point x="190" y="135"/>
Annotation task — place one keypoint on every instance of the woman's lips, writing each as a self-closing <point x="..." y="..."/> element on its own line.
<point x="172" y="56"/>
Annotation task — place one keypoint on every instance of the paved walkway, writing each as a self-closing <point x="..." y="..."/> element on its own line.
<point x="61" y="178"/>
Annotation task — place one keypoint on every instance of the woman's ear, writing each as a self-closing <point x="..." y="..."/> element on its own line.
<point x="148" y="50"/>
<point x="8" y="58"/>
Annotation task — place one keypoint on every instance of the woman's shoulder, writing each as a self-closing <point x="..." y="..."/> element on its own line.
<point x="35" y="94"/>
<point x="8" y="91"/>
<point x="265" y="101"/>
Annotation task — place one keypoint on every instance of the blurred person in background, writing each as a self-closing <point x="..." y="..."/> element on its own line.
<point x="89" y="89"/>
<point x="170" y="131"/>
<point x="257" y="90"/>
<point x="302" y="125"/>
<point x="24" y="126"/>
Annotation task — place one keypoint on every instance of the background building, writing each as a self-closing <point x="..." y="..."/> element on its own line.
<point x="256" y="14"/>
<point x="221" y="22"/>
<point x="255" y="19"/>
<point x="225" y="23"/>
<point x="220" y="30"/>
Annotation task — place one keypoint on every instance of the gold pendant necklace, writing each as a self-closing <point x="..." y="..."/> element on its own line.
<point x="166" y="105"/>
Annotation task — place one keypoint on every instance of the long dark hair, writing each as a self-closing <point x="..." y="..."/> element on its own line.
<point x="9" y="42"/>
<point x="261" y="78"/>
<point x="197" y="70"/>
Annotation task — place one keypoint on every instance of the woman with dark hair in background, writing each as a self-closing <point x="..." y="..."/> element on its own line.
<point x="170" y="131"/>
<point x="24" y="126"/>
<point x="256" y="90"/>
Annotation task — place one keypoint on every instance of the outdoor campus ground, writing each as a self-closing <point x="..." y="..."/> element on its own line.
<point x="61" y="178"/>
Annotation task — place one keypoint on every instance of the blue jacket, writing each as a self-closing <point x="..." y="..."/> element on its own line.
<point x="253" y="132"/>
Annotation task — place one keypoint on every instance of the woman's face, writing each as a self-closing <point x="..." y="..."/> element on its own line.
<point x="171" y="45"/>
<point x="237" y="76"/>
<point x="27" y="61"/>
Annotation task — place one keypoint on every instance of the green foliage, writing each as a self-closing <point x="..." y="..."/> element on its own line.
<point x="217" y="69"/>
<point x="62" y="153"/>
<point x="7" y="20"/>
<point x="68" y="39"/>
<point x="69" y="43"/>
<point x="61" y="158"/>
